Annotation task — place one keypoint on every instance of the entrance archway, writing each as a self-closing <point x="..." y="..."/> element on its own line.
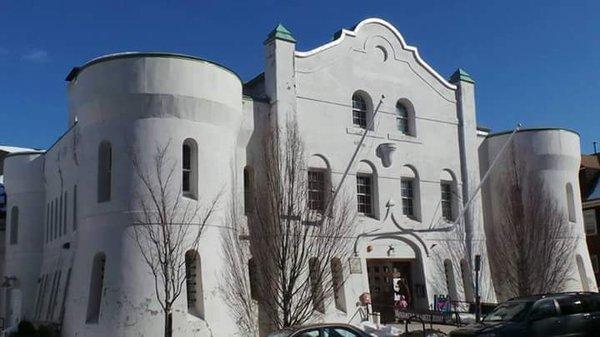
<point x="395" y="274"/>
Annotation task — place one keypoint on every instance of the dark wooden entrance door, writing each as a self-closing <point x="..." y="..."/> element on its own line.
<point x="381" y="273"/>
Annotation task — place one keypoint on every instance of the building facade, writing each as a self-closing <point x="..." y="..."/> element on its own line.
<point x="589" y="176"/>
<point x="70" y="256"/>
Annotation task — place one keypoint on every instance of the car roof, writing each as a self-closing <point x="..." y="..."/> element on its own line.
<point x="318" y="326"/>
<point x="554" y="295"/>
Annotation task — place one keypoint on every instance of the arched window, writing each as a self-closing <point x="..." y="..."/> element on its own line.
<point x="190" y="168"/>
<point x="104" y="171"/>
<point x="14" y="225"/>
<point x="449" y="201"/>
<point x="450" y="280"/>
<point x="366" y="189"/>
<point x="193" y="281"/>
<point x="582" y="275"/>
<point x="359" y="111"/>
<point x="467" y="281"/>
<point x="402" y="119"/>
<point x="316" y="279"/>
<point x="570" y="203"/>
<point x="409" y="190"/>
<point x="337" y="280"/>
<point x="318" y="183"/>
<point x="248" y="189"/>
<point x="96" y="288"/>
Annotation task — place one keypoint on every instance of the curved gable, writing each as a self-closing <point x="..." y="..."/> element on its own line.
<point x="381" y="39"/>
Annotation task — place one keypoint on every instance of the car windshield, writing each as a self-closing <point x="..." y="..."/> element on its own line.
<point x="508" y="311"/>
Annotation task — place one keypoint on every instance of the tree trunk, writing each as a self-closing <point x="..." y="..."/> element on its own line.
<point x="168" y="322"/>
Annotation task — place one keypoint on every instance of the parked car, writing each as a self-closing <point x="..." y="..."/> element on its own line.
<point x="565" y="314"/>
<point x="321" y="330"/>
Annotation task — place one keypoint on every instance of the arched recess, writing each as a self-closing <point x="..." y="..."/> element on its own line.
<point x="248" y="189"/>
<point x="467" y="280"/>
<point x="189" y="168"/>
<point x="193" y="282"/>
<point x="366" y="189"/>
<point x="319" y="183"/>
<point x="337" y="280"/>
<point x="96" y="288"/>
<point x="362" y="109"/>
<point x="570" y="203"/>
<point x="105" y="161"/>
<point x="410" y="191"/>
<point x="405" y="117"/>
<point x="316" y="284"/>
<point x="408" y="249"/>
<point x="582" y="274"/>
<point x="449" y="197"/>
<point x="450" y="279"/>
<point x="14" y="225"/>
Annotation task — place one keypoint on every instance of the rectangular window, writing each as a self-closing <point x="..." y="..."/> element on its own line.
<point x="65" y="216"/>
<point x="407" y="197"/>
<point x="590" y="221"/>
<point x="447" y="212"/>
<point x="316" y="190"/>
<point x="60" y="215"/>
<point x="75" y="207"/>
<point x="359" y="112"/>
<point x="47" y="222"/>
<point x="595" y="266"/>
<point x="364" y="194"/>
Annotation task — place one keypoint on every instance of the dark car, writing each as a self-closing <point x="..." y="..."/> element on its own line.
<point x="565" y="314"/>
<point x="321" y="330"/>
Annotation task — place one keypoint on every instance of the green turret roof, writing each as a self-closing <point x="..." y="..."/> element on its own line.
<point x="281" y="33"/>
<point x="461" y="75"/>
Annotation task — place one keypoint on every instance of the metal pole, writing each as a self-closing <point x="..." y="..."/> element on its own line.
<point x="485" y="176"/>
<point x="477" y="297"/>
<point x="362" y="139"/>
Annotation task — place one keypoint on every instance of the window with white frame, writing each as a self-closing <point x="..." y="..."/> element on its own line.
<point x="364" y="194"/>
<point x="407" y="191"/>
<point x="591" y="222"/>
<point x="447" y="211"/>
<point x="316" y="190"/>
<point x="402" y="121"/>
<point x="359" y="111"/>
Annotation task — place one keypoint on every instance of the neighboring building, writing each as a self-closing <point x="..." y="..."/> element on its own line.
<point x="70" y="252"/>
<point x="589" y="178"/>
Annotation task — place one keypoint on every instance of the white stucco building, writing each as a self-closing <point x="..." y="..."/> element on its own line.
<point x="70" y="261"/>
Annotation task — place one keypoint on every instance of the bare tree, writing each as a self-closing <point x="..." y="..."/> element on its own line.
<point x="166" y="227"/>
<point x="296" y="242"/>
<point x="532" y="245"/>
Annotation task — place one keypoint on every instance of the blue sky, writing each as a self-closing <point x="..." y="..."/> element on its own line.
<point x="535" y="62"/>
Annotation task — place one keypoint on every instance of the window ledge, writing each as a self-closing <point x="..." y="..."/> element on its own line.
<point x="403" y="138"/>
<point x="352" y="130"/>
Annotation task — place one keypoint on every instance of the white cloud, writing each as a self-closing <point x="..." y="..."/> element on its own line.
<point x="37" y="55"/>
